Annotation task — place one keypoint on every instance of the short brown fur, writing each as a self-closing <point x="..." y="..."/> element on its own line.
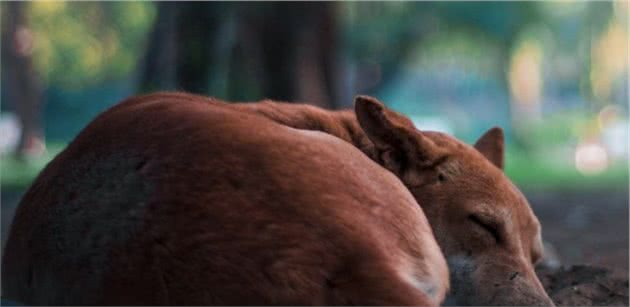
<point x="176" y="199"/>
<point x="462" y="190"/>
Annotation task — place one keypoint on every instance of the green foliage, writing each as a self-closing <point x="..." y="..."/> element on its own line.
<point x="84" y="43"/>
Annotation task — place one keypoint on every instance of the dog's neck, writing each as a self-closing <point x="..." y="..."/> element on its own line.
<point x="346" y="127"/>
<point x="342" y="124"/>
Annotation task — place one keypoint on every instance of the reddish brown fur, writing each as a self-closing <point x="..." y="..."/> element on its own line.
<point x="452" y="182"/>
<point x="178" y="199"/>
<point x="483" y="272"/>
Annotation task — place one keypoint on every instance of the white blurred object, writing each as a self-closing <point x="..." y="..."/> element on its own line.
<point x="432" y="124"/>
<point x="551" y="258"/>
<point x="614" y="130"/>
<point x="615" y="137"/>
<point x="10" y="130"/>
<point x="591" y="158"/>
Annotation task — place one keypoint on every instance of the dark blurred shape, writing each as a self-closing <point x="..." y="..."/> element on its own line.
<point x="22" y="84"/>
<point x="279" y="50"/>
<point x="178" y="52"/>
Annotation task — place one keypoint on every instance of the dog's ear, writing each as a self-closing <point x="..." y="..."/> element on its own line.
<point x="491" y="145"/>
<point x="397" y="142"/>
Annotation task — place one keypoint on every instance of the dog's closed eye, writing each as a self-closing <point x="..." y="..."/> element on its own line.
<point x="487" y="225"/>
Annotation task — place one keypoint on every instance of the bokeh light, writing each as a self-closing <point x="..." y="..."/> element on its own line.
<point x="591" y="158"/>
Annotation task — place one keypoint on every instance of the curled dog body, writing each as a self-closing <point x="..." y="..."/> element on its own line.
<point x="176" y="199"/>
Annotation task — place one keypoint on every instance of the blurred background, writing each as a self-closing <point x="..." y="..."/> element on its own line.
<point x="554" y="75"/>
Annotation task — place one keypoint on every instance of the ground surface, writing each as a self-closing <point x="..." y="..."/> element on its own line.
<point x="587" y="229"/>
<point x="585" y="226"/>
<point x="588" y="233"/>
<point x="583" y="285"/>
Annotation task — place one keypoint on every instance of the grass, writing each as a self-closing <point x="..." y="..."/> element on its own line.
<point x="544" y="173"/>
<point x="19" y="173"/>
<point x="526" y="172"/>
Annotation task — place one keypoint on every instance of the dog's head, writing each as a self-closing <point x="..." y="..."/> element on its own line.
<point x="483" y="224"/>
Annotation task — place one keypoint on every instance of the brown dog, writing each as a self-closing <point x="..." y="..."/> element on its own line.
<point x="482" y="222"/>
<point x="175" y="199"/>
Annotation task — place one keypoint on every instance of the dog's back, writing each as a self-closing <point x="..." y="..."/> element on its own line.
<point x="173" y="199"/>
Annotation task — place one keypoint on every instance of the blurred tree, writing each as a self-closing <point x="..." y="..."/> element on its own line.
<point x="288" y="49"/>
<point x="64" y="46"/>
<point x="294" y="51"/>
<point x="384" y="34"/>
<point x="22" y="84"/>
<point x="81" y="44"/>
<point x="297" y="43"/>
<point x="179" y="47"/>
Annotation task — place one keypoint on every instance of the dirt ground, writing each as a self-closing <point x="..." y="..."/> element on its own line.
<point x="588" y="238"/>
<point x="586" y="231"/>
<point x="589" y="227"/>
<point x="584" y="285"/>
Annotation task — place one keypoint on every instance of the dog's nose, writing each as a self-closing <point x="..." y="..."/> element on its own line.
<point x="548" y="302"/>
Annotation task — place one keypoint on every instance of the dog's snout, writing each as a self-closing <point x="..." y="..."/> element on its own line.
<point x="513" y="297"/>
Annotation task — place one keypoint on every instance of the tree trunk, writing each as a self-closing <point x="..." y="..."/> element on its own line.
<point x="159" y="65"/>
<point x="23" y="88"/>
<point x="281" y="51"/>
<point x="298" y="44"/>
<point x="180" y="46"/>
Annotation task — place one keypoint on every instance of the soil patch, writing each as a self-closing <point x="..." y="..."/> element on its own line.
<point x="584" y="285"/>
